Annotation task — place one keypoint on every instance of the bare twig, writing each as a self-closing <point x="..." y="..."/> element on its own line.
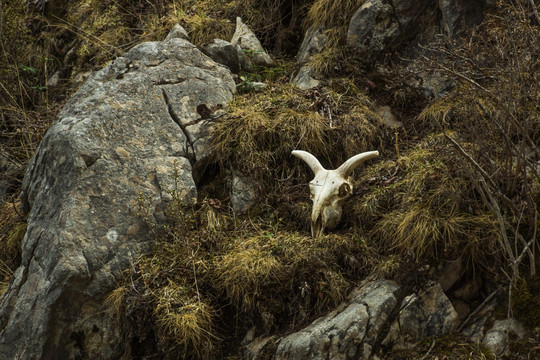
<point x="478" y="309"/>
<point x="430" y="349"/>
<point x="535" y="11"/>
<point x="482" y="172"/>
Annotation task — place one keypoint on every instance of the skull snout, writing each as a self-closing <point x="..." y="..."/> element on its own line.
<point x="317" y="226"/>
<point x="326" y="213"/>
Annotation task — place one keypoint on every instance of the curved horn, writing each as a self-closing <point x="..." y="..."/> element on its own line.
<point x="348" y="166"/>
<point x="311" y="160"/>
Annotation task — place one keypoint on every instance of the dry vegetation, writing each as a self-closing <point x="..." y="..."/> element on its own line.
<point x="464" y="183"/>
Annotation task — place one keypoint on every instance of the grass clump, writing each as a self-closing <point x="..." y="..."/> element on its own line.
<point x="328" y="13"/>
<point x="450" y="347"/>
<point x="424" y="205"/>
<point x="286" y="275"/>
<point x="210" y="266"/>
<point x="526" y="302"/>
<point x="12" y="231"/>
<point x="333" y="18"/>
<point x="185" y="321"/>
<point x="261" y="130"/>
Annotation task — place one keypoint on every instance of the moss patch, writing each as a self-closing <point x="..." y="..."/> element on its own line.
<point x="451" y="347"/>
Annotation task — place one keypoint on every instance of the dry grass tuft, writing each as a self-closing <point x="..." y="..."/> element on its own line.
<point x="186" y="321"/>
<point x="261" y="130"/>
<point x="287" y="274"/>
<point x="12" y="231"/>
<point x="424" y="205"/>
<point x="329" y="13"/>
<point x="203" y="28"/>
<point x="116" y="301"/>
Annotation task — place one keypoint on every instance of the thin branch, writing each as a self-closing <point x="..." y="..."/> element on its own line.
<point x="482" y="172"/>
<point x="497" y="100"/>
<point x="478" y="309"/>
<point x="535" y="11"/>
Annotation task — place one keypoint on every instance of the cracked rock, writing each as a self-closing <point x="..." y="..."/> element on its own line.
<point x="349" y="332"/>
<point x="428" y="313"/>
<point x="115" y="151"/>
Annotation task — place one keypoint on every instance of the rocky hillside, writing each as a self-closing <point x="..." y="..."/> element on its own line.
<point x="151" y="206"/>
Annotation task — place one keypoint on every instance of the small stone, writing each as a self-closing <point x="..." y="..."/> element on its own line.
<point x="177" y="32"/>
<point x="449" y="273"/>
<point x="303" y="79"/>
<point x="250" y="45"/>
<point x="387" y="117"/>
<point x="243" y="194"/>
<point x="496" y="339"/>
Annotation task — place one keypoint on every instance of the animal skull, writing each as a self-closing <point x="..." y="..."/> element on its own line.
<point x="330" y="188"/>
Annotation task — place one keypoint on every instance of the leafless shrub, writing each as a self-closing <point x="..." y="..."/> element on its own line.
<point x="495" y="107"/>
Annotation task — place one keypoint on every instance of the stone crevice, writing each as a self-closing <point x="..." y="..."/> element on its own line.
<point x="190" y="149"/>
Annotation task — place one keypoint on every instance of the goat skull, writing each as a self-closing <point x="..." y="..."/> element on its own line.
<point x="330" y="188"/>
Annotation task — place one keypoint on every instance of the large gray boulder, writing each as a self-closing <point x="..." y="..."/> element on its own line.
<point x="122" y="145"/>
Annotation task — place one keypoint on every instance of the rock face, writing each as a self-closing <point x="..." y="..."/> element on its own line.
<point x="457" y="15"/>
<point x="348" y="332"/>
<point x="313" y="43"/>
<point x="496" y="339"/>
<point x="369" y="318"/>
<point x="428" y="313"/>
<point x="304" y="79"/>
<point x="178" y="32"/>
<point x="223" y="52"/>
<point x="121" y="146"/>
<point x="251" y="51"/>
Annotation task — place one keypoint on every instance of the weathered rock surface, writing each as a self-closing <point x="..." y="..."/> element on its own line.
<point x="496" y="338"/>
<point x="250" y="48"/>
<point x="123" y="140"/>
<point x="243" y="194"/>
<point x="357" y="327"/>
<point x="348" y="332"/>
<point x="223" y="52"/>
<point x="379" y="27"/>
<point x="313" y="43"/>
<point x="429" y="313"/>
<point x="177" y="32"/>
<point x="304" y="79"/>
<point x="457" y="15"/>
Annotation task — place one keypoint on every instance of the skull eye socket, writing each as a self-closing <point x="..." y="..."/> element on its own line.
<point x="344" y="190"/>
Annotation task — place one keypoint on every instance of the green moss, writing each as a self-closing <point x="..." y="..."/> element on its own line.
<point x="525" y="305"/>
